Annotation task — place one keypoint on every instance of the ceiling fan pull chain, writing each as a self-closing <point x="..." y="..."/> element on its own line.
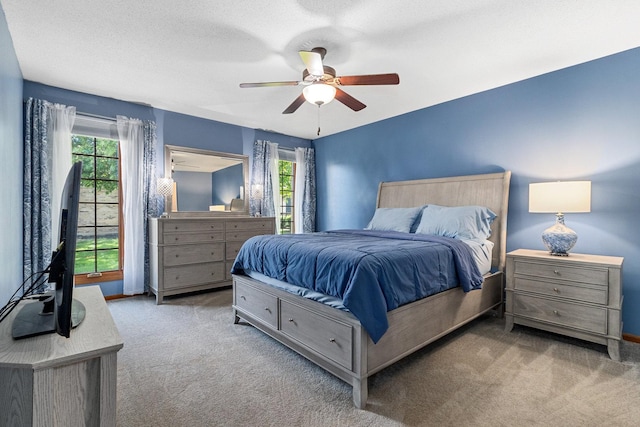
<point x="318" y="119"/>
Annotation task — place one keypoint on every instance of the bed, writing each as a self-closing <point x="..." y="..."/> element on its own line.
<point x="336" y="340"/>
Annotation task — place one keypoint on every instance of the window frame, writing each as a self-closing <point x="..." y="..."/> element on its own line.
<point x="288" y="155"/>
<point x="94" y="127"/>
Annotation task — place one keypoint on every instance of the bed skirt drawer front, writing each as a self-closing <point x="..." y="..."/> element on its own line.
<point x="195" y="274"/>
<point x="256" y="303"/>
<point x="190" y="254"/>
<point x="326" y="336"/>
<point x="576" y="316"/>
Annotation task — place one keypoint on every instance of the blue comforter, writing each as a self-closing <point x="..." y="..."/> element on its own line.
<point x="371" y="271"/>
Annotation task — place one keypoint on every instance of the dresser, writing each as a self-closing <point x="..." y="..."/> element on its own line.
<point x="578" y="295"/>
<point x="193" y="254"/>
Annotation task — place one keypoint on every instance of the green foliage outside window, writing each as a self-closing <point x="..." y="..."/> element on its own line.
<point x="97" y="247"/>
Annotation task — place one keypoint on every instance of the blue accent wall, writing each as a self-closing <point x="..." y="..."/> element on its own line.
<point x="171" y="128"/>
<point x="581" y="122"/>
<point x="11" y="123"/>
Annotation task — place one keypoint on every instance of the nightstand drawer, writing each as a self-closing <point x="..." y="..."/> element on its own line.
<point x="596" y="276"/>
<point x="592" y="294"/>
<point x="584" y="317"/>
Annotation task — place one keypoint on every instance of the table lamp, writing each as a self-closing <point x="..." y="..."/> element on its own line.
<point x="560" y="197"/>
<point x="165" y="188"/>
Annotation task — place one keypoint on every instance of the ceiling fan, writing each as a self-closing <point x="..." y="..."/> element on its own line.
<point x="321" y="85"/>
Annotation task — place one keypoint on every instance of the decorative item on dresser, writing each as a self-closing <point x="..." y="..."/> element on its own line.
<point x="192" y="254"/>
<point x="578" y="296"/>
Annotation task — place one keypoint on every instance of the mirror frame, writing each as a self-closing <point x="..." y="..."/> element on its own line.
<point x="168" y="149"/>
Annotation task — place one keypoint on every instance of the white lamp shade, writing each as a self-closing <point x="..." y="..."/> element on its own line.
<point x="165" y="186"/>
<point x="319" y="93"/>
<point x="560" y="196"/>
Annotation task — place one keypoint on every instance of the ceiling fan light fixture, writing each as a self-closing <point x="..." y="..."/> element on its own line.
<point x="319" y="93"/>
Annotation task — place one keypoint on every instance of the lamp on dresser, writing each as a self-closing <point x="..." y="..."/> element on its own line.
<point x="560" y="197"/>
<point x="165" y="189"/>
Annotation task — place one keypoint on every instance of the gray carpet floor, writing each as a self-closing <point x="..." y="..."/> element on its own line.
<point x="185" y="363"/>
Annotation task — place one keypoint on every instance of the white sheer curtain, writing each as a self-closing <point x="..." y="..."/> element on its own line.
<point x="61" y="122"/>
<point x="131" y="135"/>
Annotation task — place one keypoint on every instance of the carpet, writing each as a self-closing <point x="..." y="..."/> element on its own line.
<point x="185" y="363"/>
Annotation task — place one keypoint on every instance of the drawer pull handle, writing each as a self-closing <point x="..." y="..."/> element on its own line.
<point x="556" y="272"/>
<point x="267" y="309"/>
<point x="556" y="312"/>
<point x="243" y="297"/>
<point x="290" y="319"/>
<point x="556" y="290"/>
<point x="332" y="340"/>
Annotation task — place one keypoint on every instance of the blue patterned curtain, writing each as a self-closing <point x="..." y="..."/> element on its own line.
<point x="264" y="189"/>
<point x="153" y="202"/>
<point x="305" y="190"/>
<point x="36" y="188"/>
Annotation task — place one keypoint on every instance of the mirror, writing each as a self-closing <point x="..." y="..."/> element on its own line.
<point x="206" y="182"/>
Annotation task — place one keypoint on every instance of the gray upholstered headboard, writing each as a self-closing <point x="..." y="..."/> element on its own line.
<point x="490" y="190"/>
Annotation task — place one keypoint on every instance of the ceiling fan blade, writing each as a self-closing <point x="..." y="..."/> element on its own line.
<point x="370" y="79"/>
<point x="294" y="105"/>
<point x="313" y="62"/>
<point x="349" y="100"/>
<point x="270" y="84"/>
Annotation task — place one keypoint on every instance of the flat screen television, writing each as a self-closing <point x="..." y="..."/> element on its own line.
<point x="57" y="311"/>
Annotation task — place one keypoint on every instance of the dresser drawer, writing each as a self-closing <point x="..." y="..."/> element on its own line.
<point x="328" y="337"/>
<point x="254" y="224"/>
<point x="177" y="226"/>
<point x="196" y="274"/>
<point x="584" y="317"/>
<point x="188" y="254"/>
<point x="592" y="294"/>
<point x="240" y="236"/>
<point x="178" y="238"/>
<point x="260" y="304"/>
<point x="232" y="249"/>
<point x="596" y="276"/>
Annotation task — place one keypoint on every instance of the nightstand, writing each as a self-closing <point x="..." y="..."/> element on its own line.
<point x="579" y="295"/>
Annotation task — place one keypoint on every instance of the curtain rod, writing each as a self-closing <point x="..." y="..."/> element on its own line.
<point x="96" y="116"/>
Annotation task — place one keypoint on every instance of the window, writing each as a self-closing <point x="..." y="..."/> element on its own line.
<point x="99" y="244"/>
<point x="287" y="175"/>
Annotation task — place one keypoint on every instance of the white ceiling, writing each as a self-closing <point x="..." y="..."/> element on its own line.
<point x="190" y="56"/>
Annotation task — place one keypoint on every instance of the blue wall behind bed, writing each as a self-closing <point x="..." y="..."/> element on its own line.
<point x="582" y="122"/>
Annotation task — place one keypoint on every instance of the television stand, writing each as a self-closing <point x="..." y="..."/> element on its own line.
<point x="52" y="380"/>
<point x="37" y="318"/>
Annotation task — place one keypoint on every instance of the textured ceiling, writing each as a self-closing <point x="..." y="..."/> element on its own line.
<point x="190" y="56"/>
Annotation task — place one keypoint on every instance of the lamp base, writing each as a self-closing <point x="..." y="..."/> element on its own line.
<point x="559" y="238"/>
